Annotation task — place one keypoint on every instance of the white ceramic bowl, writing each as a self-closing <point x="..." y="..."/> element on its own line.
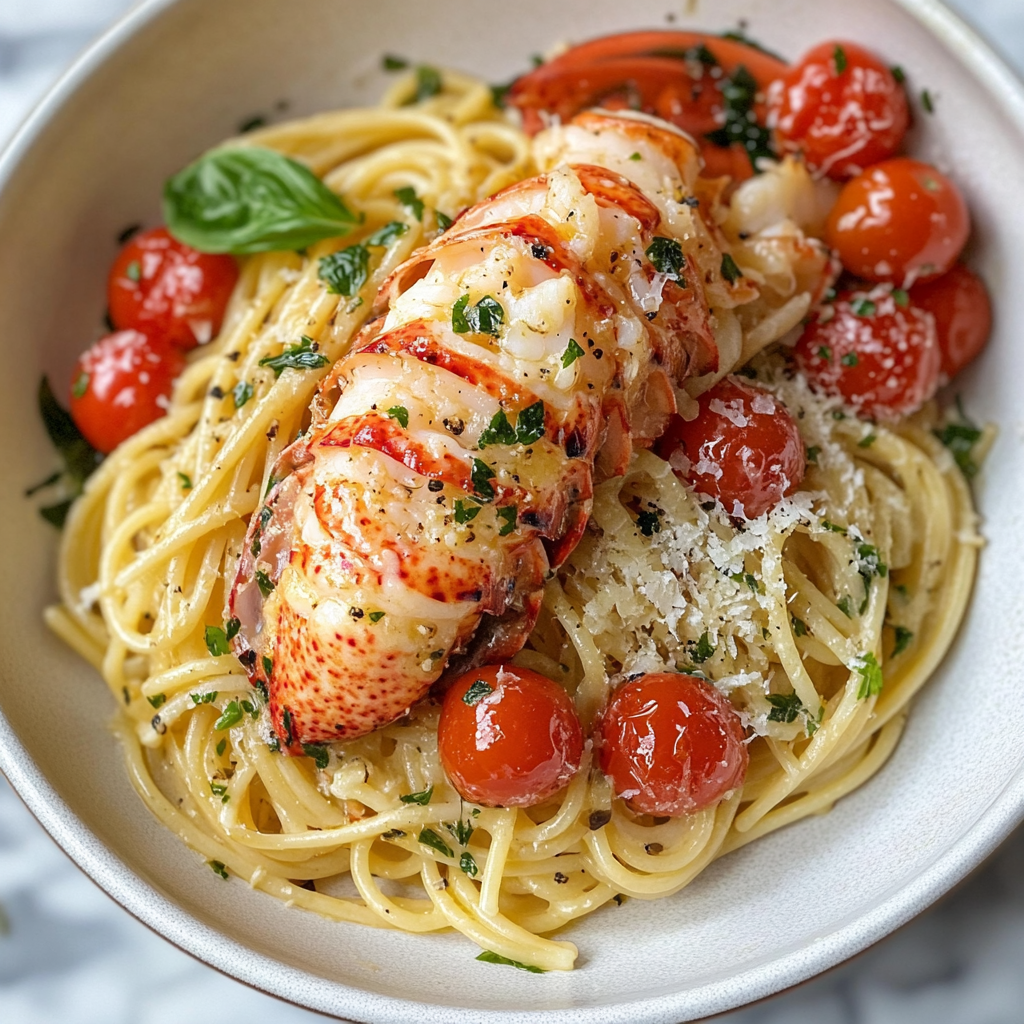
<point x="174" y="78"/>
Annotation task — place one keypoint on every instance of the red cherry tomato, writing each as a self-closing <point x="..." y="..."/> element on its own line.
<point x="676" y="75"/>
<point x="122" y="384"/>
<point x="841" y="107"/>
<point x="963" y="315"/>
<point x="508" y="737"/>
<point x="880" y="357"/>
<point x="901" y="221"/>
<point x="167" y="289"/>
<point x="671" y="744"/>
<point x="743" y="448"/>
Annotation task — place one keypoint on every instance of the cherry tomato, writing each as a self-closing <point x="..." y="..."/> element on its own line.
<point x="841" y="107"/>
<point x="743" y="448"/>
<point x="122" y="384"/>
<point x="880" y="356"/>
<point x="900" y="221"/>
<point x="508" y="737"/>
<point x="676" y="75"/>
<point x="167" y="289"/>
<point x="963" y="315"/>
<point x="671" y="744"/>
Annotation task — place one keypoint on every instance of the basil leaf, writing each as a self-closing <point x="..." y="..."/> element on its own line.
<point x="241" y="393"/>
<point x="499" y="431"/>
<point x="486" y="317"/>
<point x="530" y="424"/>
<point x="231" y="715"/>
<point x="730" y="271"/>
<point x="785" y="707"/>
<point x="428" y="83"/>
<point x="245" y="199"/>
<point x="412" y="202"/>
<point x="345" y="271"/>
<point x="422" y="798"/>
<point x="79" y="457"/>
<point x="216" y="641"/>
<point x="320" y="754"/>
<point x="667" y="256"/>
<point x="384" y="236"/>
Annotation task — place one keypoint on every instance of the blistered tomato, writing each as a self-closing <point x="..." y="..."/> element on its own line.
<point x="508" y="737"/>
<point x="963" y="315"/>
<point x="876" y="351"/>
<point x="168" y="290"/>
<point x="671" y="744"/>
<point x="122" y="384"/>
<point x="841" y="107"/>
<point x="743" y="448"/>
<point x="901" y="221"/>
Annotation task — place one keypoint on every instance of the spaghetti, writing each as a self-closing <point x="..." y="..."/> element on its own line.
<point x="820" y="619"/>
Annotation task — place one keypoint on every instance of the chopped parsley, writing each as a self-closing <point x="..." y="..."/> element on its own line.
<point x="264" y="582"/>
<point x="868" y="440"/>
<point x="467" y="862"/>
<point x="845" y="606"/>
<point x="486" y="317"/>
<point x="926" y="101"/>
<point x="839" y="59"/>
<point x="496" y="958"/>
<point x="481" y="477"/>
<point x="900" y="297"/>
<point x="462" y="830"/>
<point x="903" y="638"/>
<point x="302" y="356"/>
<point x="812" y="453"/>
<point x="572" y="352"/>
<point x="704" y="650"/>
<point x="649" y="522"/>
<point x="509" y="516"/>
<point x="81" y="385"/>
<point x="231" y="715"/>
<point x="428" y="837"/>
<point x="218" y="868"/>
<point x="465" y="513"/>
<point x="739" y="93"/>
<point x="422" y="798"/>
<point x="384" y="236"/>
<point x="960" y="438"/>
<point x="528" y="429"/>
<point x="786" y="707"/>
<point x="133" y="271"/>
<point x="730" y="271"/>
<point x="185" y="480"/>
<point x="400" y="413"/>
<point x="898" y="73"/>
<point x="749" y="579"/>
<point x="389" y="62"/>
<point x="476" y="692"/>
<point x="870" y="676"/>
<point x="444" y="222"/>
<point x="666" y="254"/>
<point x="799" y="626"/>
<point x="412" y="202"/>
<point x="825" y="352"/>
<point x="635" y="156"/>
<point x="320" y="754"/>
<point x="862" y="308"/>
<point x="268" y="666"/>
<point x="375" y="617"/>
<point x="219" y="789"/>
<point x="833" y="527"/>
<point x="221" y="747"/>
<point x="203" y="698"/>
<point x="850" y="359"/>
<point x="428" y="83"/>
<point x="218" y="640"/>
<point x="157" y="700"/>
<point x="241" y="393"/>
<point x="345" y="271"/>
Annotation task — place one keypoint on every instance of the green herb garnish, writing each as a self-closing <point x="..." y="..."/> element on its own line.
<point x="400" y="413"/>
<point x="230" y="716"/>
<point x="486" y="317"/>
<point x="320" y="754"/>
<point x="786" y="707"/>
<point x="345" y="271"/>
<point x="496" y="958"/>
<point x="903" y="638"/>
<point x="302" y="356"/>
<point x="649" y="522"/>
<point x="870" y="676"/>
<point x="704" y="649"/>
<point x="412" y="202"/>
<point x="730" y="271"/>
<point x="428" y="837"/>
<point x="476" y="692"/>
<point x="572" y="352"/>
<point x="465" y="513"/>
<point x="422" y="798"/>
<point x="241" y="393"/>
<point x="666" y="254"/>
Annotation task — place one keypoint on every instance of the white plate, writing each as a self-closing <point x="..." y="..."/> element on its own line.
<point x="174" y="78"/>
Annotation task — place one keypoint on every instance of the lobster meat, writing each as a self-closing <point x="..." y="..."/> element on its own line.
<point x="451" y="458"/>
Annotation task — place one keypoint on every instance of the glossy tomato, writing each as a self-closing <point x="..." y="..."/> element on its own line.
<point x="743" y="448"/>
<point x="508" y="737"/>
<point x="671" y="744"/>
<point x="168" y="290"/>
<point x="841" y="107"/>
<point x="963" y="315"/>
<point x="703" y="84"/>
<point x="122" y="384"/>
<point x="877" y="352"/>
<point x="901" y="221"/>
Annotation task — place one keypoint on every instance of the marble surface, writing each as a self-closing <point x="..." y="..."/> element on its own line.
<point x="70" y="955"/>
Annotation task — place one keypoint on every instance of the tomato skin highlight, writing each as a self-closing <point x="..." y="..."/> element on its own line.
<point x="518" y="742"/>
<point x="960" y="303"/>
<point x="901" y="221"/>
<point x="743" y="448"/>
<point x="842" y="120"/>
<point x="122" y="384"/>
<point x="671" y="744"/>
<point x="884" y="365"/>
<point x="164" y="288"/>
<point x="647" y="71"/>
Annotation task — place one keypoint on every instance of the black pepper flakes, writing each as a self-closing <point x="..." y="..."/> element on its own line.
<point x="435" y="485"/>
<point x="216" y="391"/>
<point x="598" y="819"/>
<point x="560" y="878"/>
<point x="356" y="613"/>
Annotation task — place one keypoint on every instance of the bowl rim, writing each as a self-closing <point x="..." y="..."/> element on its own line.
<point x="232" y="958"/>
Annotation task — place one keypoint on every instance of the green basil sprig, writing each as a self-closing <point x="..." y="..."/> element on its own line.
<point x="244" y="200"/>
